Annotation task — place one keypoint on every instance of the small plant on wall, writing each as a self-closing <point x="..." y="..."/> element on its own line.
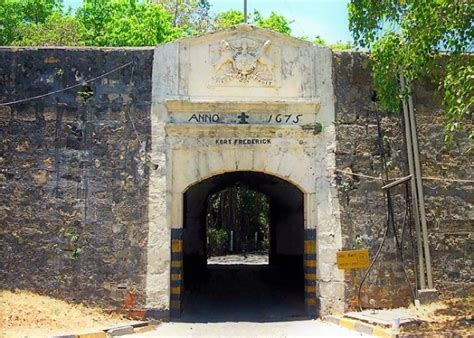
<point x="73" y="245"/>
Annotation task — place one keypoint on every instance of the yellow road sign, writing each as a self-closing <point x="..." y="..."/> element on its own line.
<point x="353" y="259"/>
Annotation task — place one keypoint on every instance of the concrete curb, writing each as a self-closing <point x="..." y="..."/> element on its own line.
<point x="361" y="327"/>
<point x="113" y="331"/>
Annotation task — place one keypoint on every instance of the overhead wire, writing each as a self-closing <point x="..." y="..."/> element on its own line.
<point x="82" y="83"/>
<point x="378" y="178"/>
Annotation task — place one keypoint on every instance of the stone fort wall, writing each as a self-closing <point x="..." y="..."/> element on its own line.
<point x="363" y="204"/>
<point x="74" y="174"/>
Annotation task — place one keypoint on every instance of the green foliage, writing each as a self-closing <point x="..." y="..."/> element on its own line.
<point x="191" y="16"/>
<point x="120" y="22"/>
<point x="232" y="17"/>
<point x="318" y="128"/>
<point x="37" y="11"/>
<point x="9" y="19"/>
<point x="274" y="22"/>
<point x="57" y="30"/>
<point x="15" y="14"/>
<point x="125" y="23"/>
<point x="218" y="239"/>
<point x="407" y="36"/>
<point x="341" y="45"/>
<point x="85" y="93"/>
<point x="318" y="40"/>
<point x="228" y="19"/>
<point x="243" y="211"/>
<point x="73" y="239"/>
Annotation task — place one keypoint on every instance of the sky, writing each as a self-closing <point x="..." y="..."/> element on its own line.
<point x="326" y="18"/>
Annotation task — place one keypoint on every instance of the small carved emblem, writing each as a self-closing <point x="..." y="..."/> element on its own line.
<point x="244" y="61"/>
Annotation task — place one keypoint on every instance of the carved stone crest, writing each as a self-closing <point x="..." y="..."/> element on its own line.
<point x="244" y="60"/>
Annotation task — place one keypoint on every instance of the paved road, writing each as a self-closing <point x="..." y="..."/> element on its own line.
<point x="301" y="328"/>
<point x="241" y="296"/>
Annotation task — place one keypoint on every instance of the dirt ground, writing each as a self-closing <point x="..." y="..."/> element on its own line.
<point x="26" y="314"/>
<point x="454" y="317"/>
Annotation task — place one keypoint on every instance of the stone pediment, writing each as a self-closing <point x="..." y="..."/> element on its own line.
<point x="243" y="75"/>
<point x="246" y="55"/>
<point x="244" y="63"/>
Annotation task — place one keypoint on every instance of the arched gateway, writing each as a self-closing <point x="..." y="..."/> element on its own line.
<point x="251" y="106"/>
<point x="273" y="290"/>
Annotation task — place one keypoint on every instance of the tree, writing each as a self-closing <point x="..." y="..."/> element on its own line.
<point x="57" y="30"/>
<point x="125" y="23"/>
<point x="339" y="45"/>
<point x="37" y="11"/>
<point x="274" y="22"/>
<point x="17" y="13"/>
<point x="318" y="40"/>
<point x="243" y="211"/>
<point x="224" y="20"/>
<point x="232" y="17"/>
<point x="191" y="16"/>
<point x="409" y="37"/>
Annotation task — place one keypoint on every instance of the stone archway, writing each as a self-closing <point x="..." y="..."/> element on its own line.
<point x="205" y="125"/>
<point x="292" y="255"/>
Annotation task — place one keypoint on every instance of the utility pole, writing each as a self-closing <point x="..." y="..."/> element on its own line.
<point x="245" y="11"/>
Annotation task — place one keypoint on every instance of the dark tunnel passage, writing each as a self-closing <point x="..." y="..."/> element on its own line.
<point x="240" y="289"/>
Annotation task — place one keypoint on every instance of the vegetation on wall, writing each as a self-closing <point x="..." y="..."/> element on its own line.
<point x="408" y="37"/>
<point x="340" y="45"/>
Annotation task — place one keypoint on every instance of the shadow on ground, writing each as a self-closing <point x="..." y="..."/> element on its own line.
<point x="239" y="292"/>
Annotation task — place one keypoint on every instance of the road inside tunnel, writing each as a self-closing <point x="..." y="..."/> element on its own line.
<point x="252" y="275"/>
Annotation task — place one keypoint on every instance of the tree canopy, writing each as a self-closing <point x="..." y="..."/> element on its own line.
<point x="408" y="37"/>
<point x="191" y="16"/>
<point x="228" y="19"/>
<point x="15" y="14"/>
<point x="125" y="23"/>
<point x="233" y="17"/>
<point x="118" y="22"/>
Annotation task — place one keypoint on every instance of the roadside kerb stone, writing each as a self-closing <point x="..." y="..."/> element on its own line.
<point x="120" y="331"/>
<point x="361" y="327"/>
<point x="113" y="332"/>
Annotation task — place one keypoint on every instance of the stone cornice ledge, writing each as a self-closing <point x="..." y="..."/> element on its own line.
<point x="302" y="106"/>
<point x="243" y="130"/>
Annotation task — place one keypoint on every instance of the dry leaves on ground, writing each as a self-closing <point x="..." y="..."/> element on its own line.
<point x="449" y="317"/>
<point x="24" y="313"/>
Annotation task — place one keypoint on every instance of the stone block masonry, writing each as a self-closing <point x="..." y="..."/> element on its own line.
<point x="89" y="210"/>
<point x="74" y="177"/>
<point x="363" y="203"/>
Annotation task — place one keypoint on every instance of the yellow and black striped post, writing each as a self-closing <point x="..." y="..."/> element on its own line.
<point x="310" y="299"/>
<point x="176" y="278"/>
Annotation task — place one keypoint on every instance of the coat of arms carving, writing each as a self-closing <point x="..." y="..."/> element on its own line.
<point x="245" y="61"/>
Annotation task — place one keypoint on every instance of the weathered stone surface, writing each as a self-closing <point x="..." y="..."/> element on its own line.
<point x="363" y="204"/>
<point x="70" y="227"/>
<point x="188" y="79"/>
<point x="91" y="187"/>
<point x="428" y="296"/>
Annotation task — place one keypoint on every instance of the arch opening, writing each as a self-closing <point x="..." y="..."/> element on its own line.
<point x="243" y="246"/>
